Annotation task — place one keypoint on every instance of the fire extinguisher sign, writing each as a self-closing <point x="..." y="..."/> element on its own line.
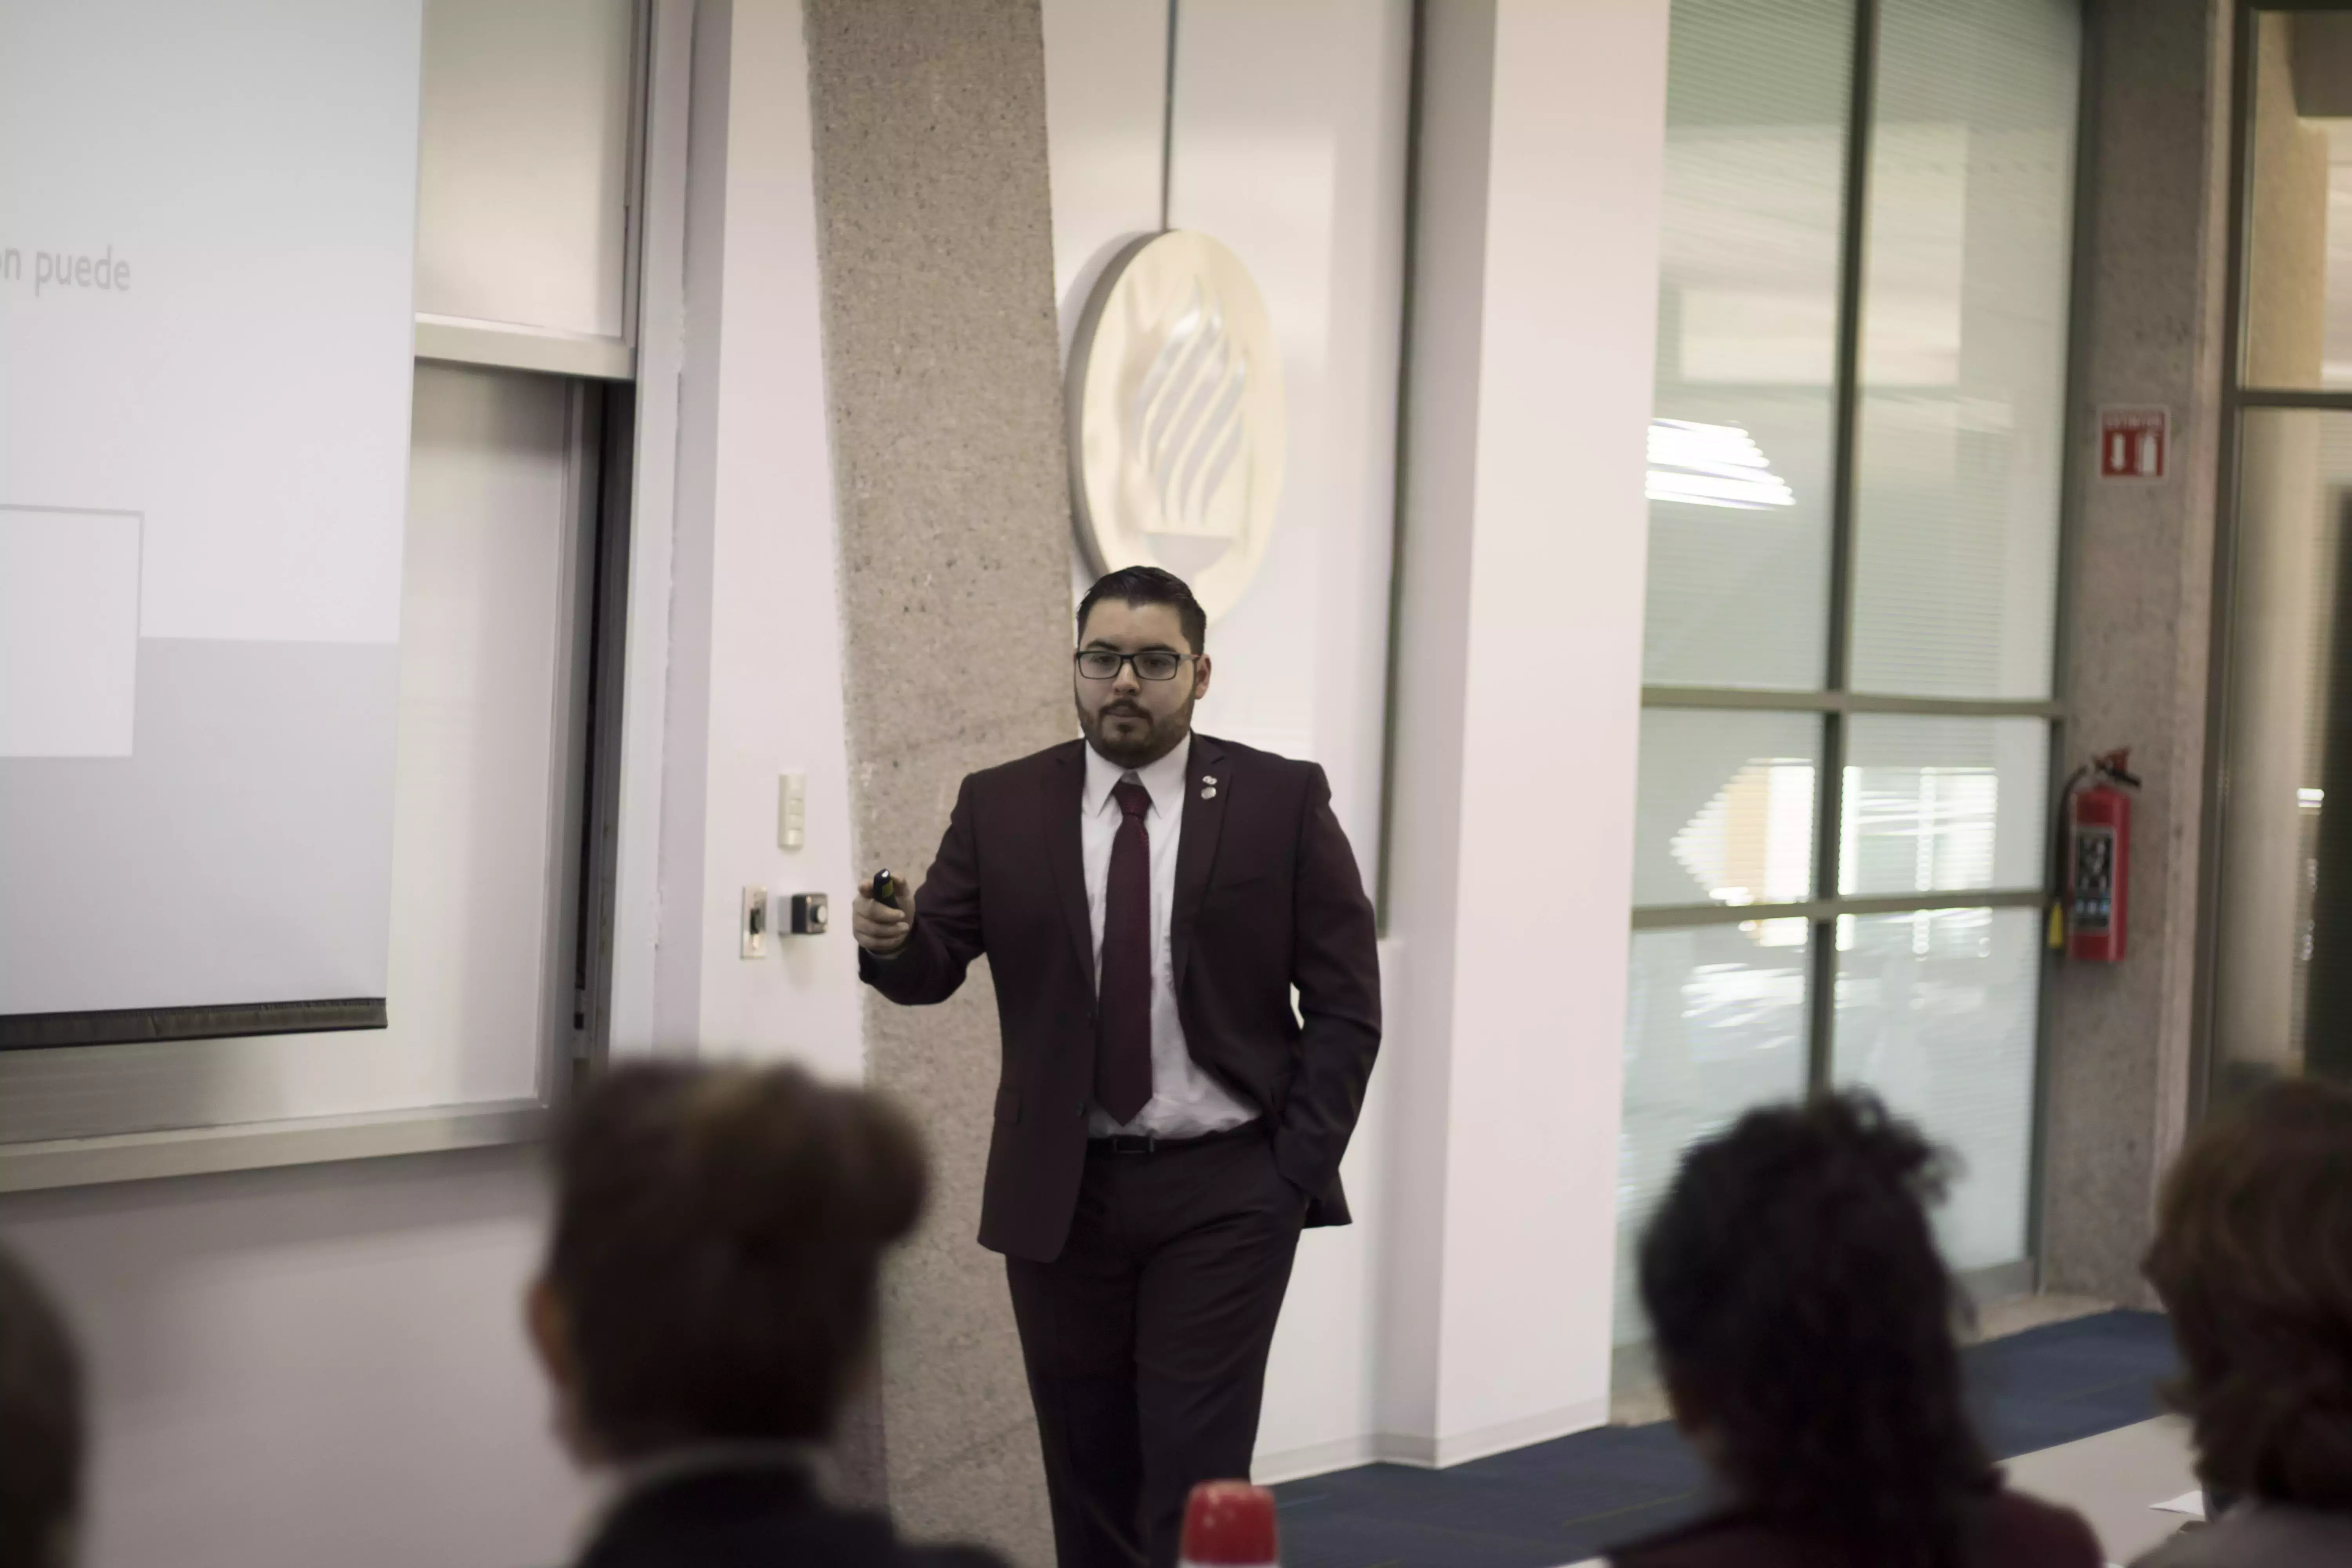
<point x="2133" y="442"/>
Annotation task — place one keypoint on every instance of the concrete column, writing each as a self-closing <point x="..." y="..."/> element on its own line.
<point x="1535" y="294"/>
<point x="943" y="377"/>
<point x="2153" y="178"/>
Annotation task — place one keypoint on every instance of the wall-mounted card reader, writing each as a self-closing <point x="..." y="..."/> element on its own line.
<point x="751" y="925"/>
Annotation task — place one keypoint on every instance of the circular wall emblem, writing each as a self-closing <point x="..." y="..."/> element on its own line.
<point x="1177" y="424"/>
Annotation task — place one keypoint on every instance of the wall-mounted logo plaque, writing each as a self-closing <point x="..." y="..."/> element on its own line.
<point x="1176" y="422"/>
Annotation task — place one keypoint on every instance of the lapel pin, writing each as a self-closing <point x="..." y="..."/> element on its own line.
<point x="1208" y="778"/>
<point x="1209" y="793"/>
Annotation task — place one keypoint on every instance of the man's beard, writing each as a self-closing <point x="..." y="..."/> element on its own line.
<point x="1153" y="744"/>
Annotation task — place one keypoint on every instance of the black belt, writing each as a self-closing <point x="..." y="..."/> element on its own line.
<point x="1149" y="1143"/>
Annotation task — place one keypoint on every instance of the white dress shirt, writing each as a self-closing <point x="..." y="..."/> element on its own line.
<point x="1186" y="1103"/>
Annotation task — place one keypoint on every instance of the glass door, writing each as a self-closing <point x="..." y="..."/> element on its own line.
<point x="2278" y="926"/>
<point x="1854" y="491"/>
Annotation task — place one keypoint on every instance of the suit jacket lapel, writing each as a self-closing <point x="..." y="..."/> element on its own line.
<point x="1207" y="787"/>
<point x="1064" y="792"/>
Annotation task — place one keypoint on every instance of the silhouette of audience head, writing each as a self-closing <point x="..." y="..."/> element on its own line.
<point x="1803" y="1326"/>
<point x="712" y="1274"/>
<point x="41" y="1433"/>
<point x="2253" y="1260"/>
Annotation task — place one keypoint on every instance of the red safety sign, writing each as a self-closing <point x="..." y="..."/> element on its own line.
<point x="2132" y="442"/>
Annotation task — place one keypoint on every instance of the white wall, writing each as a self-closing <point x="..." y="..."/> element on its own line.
<point x="1290" y="146"/>
<point x="1536" y="292"/>
<point x="735" y="671"/>
<point x="313" y="1365"/>
<point x="523" y="167"/>
<point x="1105" y="108"/>
<point x="754" y="632"/>
<point x="1433" y="664"/>
<point x="1322" y="1381"/>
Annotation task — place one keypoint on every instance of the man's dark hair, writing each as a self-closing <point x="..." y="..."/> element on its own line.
<point x="717" y="1235"/>
<point x="41" y="1433"/>
<point x="1793" y="1285"/>
<point x="1149" y="585"/>
<point x="2253" y="1260"/>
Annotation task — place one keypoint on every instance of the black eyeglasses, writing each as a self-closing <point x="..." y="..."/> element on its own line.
<point x="1151" y="664"/>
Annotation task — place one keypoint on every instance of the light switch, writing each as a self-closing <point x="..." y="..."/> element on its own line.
<point x="792" y="810"/>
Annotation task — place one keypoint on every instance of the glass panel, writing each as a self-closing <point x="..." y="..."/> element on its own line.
<point x="2282" y="924"/>
<point x="1723" y="811"/>
<point x="1715" y="1023"/>
<point x="1943" y="805"/>
<point x="2299" y="204"/>
<point x="1964" y="347"/>
<point x="1936" y="1012"/>
<point x="1741" y="447"/>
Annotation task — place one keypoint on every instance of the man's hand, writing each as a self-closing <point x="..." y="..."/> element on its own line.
<point x="881" y="930"/>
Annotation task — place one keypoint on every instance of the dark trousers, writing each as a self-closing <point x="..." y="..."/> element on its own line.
<point x="1146" y="1341"/>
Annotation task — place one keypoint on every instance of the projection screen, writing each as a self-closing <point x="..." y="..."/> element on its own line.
<point x="207" y="222"/>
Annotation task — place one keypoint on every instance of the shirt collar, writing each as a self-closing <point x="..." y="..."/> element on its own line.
<point x="1164" y="779"/>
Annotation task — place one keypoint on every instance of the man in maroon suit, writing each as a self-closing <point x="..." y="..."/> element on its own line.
<point x="1166" y="1122"/>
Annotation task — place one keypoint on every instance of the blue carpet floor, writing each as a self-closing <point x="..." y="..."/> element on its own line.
<point x="1561" y="1501"/>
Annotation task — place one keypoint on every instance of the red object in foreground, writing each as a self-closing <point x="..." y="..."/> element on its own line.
<point x="1229" y="1524"/>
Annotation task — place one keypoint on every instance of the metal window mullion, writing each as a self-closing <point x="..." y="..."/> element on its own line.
<point x="1828" y="828"/>
<point x="1821" y="996"/>
<point x="1400" y="472"/>
<point x="2336" y="400"/>
<point x="2074" y="469"/>
<point x="1759" y="700"/>
<point x="2237" y="399"/>
<point x="1168" y="122"/>
<point x="1677" y="917"/>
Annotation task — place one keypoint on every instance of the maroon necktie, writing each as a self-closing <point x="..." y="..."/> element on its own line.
<point x="1123" y="1014"/>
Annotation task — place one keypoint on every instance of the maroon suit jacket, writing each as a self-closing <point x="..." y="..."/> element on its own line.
<point x="1267" y="898"/>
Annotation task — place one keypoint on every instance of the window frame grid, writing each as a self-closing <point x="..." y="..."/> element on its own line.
<point x="2239" y="397"/>
<point x="1836" y="702"/>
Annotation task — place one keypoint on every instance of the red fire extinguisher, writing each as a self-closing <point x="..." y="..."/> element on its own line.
<point x="2097" y="814"/>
